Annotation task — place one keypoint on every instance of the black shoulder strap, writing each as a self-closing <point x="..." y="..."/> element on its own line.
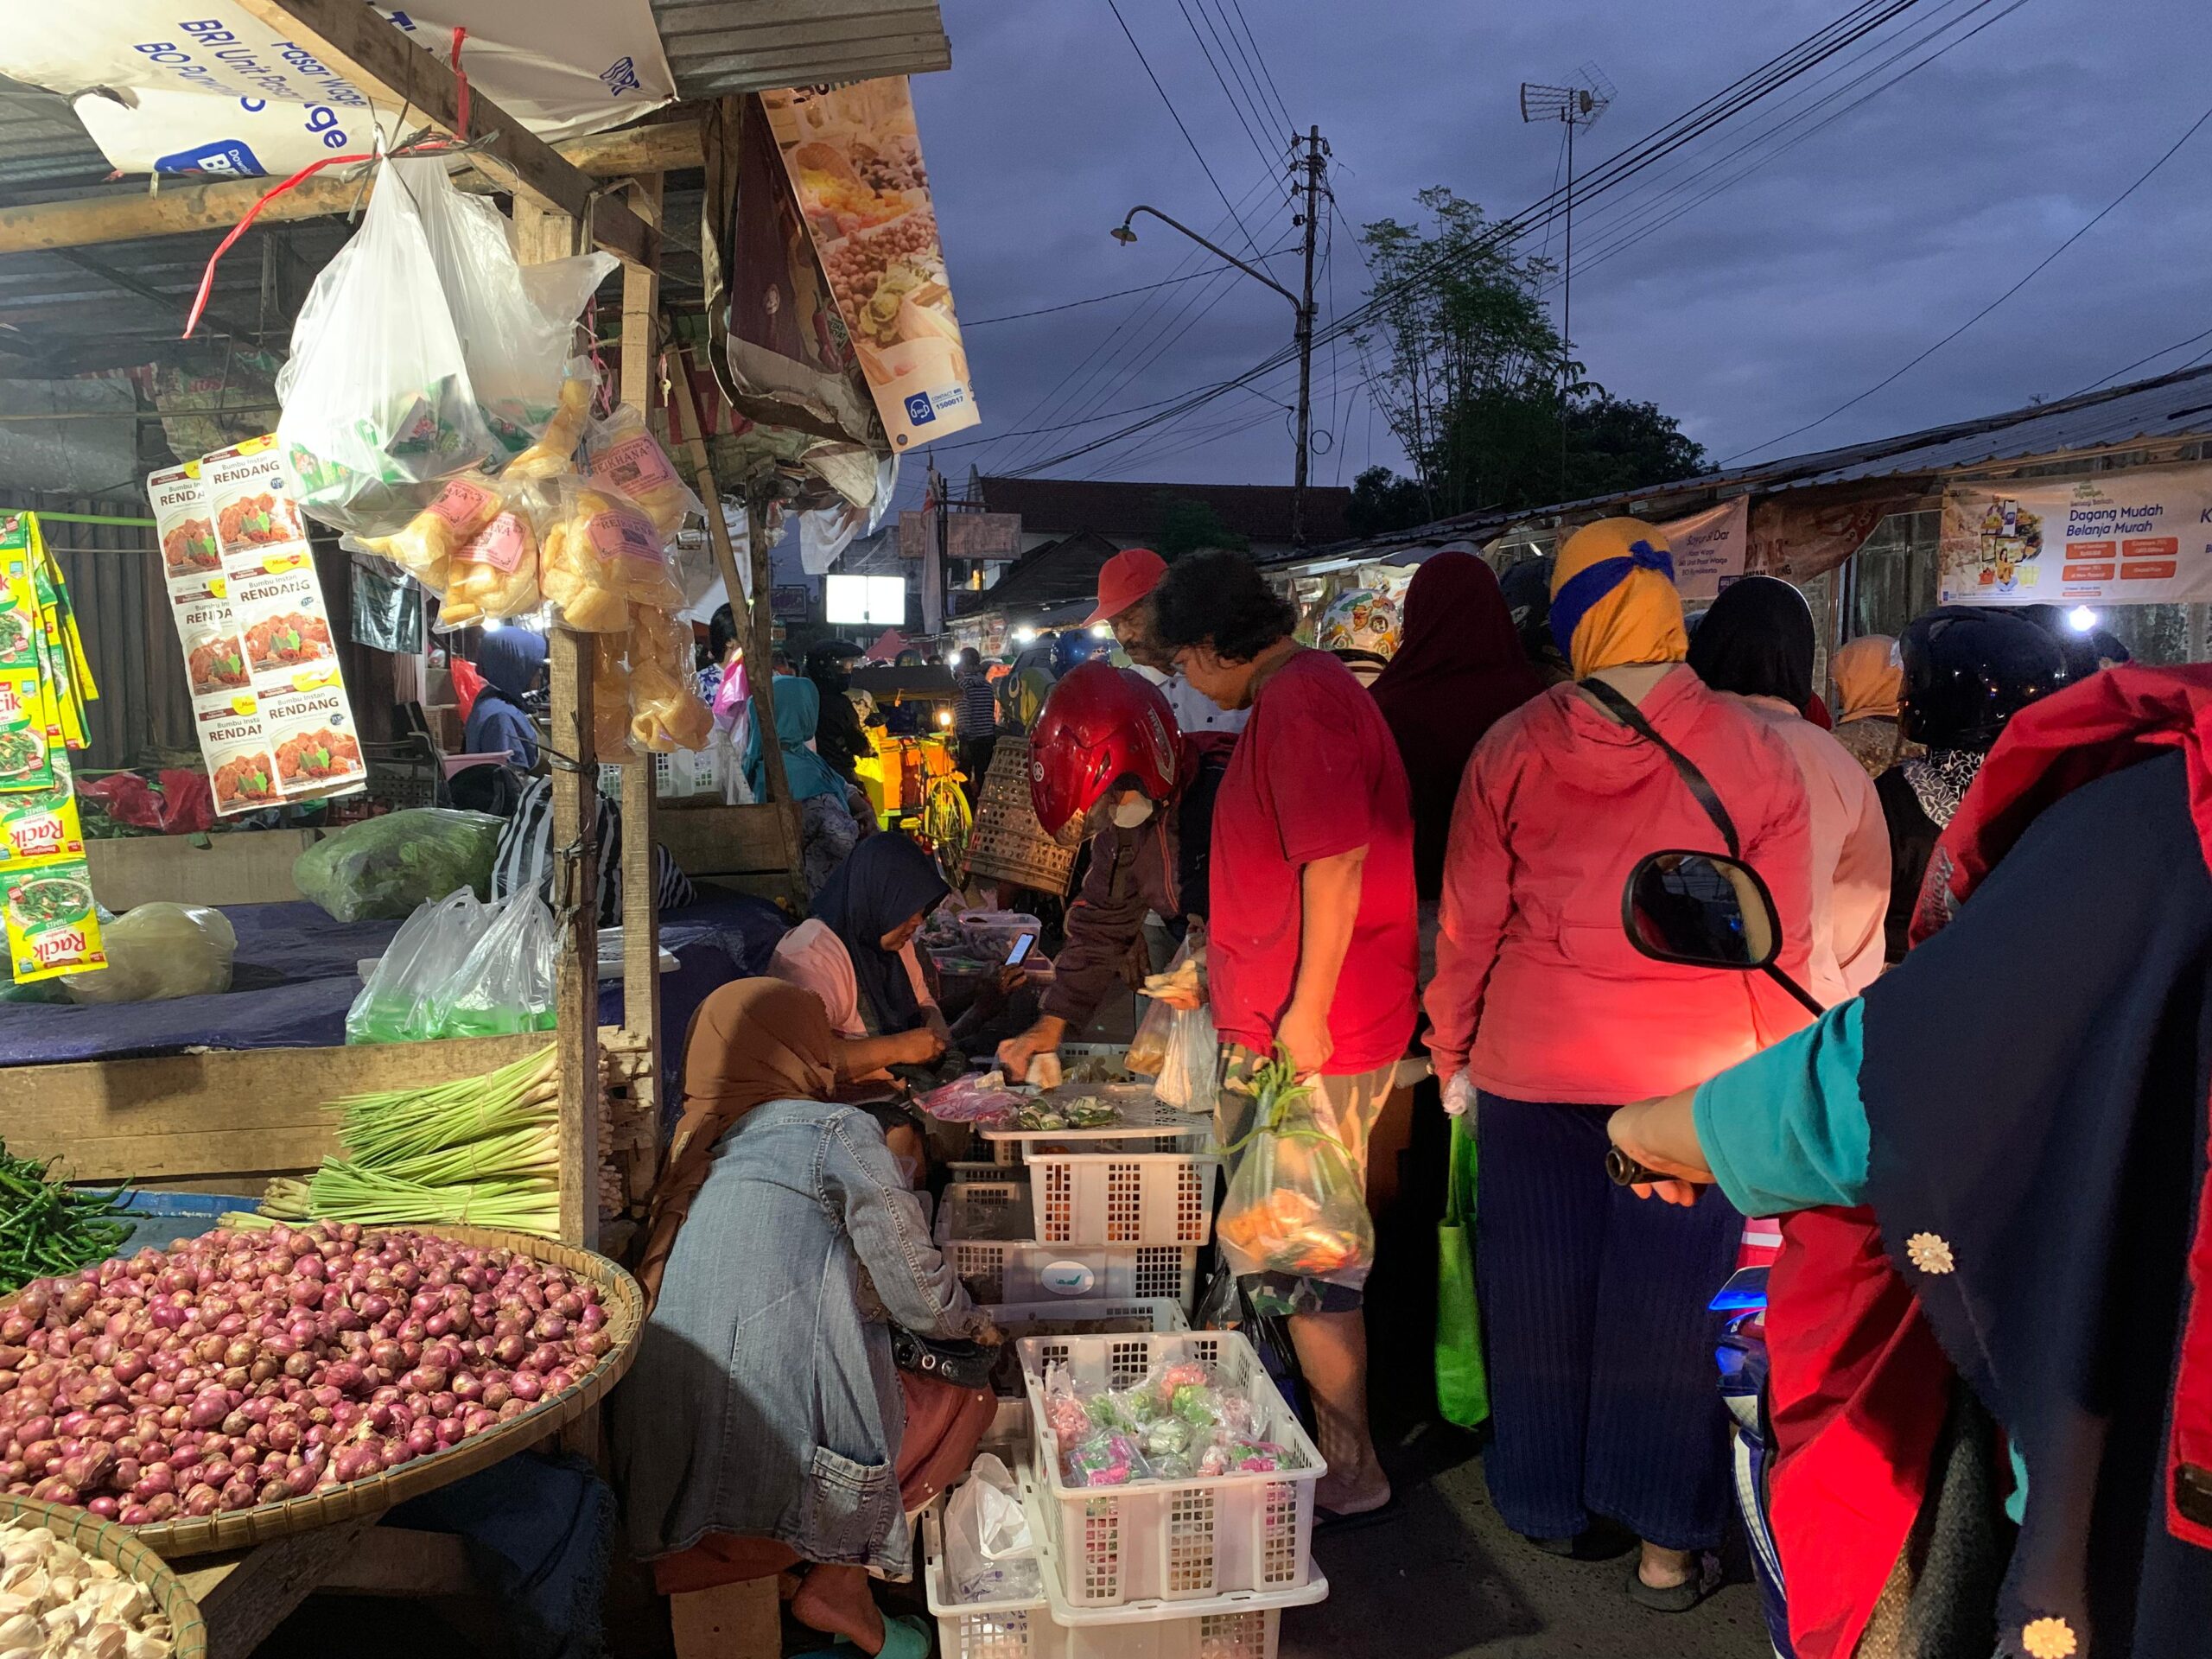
<point x="1630" y="717"/>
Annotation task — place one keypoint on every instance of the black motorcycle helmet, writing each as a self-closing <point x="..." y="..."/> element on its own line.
<point x="1968" y="669"/>
<point x="830" y="664"/>
<point x="2076" y="649"/>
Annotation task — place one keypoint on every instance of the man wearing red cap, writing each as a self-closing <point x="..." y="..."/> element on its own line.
<point x="1125" y="586"/>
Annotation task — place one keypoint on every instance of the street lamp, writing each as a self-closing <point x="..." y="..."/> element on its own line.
<point x="1125" y="233"/>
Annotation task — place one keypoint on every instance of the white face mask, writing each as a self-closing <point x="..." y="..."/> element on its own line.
<point x="1129" y="814"/>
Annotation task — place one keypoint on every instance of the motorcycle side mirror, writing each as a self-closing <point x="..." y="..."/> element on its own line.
<point x="1701" y="910"/>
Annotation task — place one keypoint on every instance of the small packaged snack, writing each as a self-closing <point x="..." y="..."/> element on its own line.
<point x="666" y="714"/>
<point x="425" y="545"/>
<point x="494" y="573"/>
<point x="624" y="453"/>
<point x="610" y="698"/>
<point x="601" y="555"/>
<point x="1109" y="1458"/>
<point x="550" y="456"/>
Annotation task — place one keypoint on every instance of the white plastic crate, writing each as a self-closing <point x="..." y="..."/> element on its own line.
<point x="989" y="1210"/>
<point x="1172" y="1540"/>
<point x="1022" y="1270"/>
<point x="1123" y="1197"/>
<point x="1247" y="1626"/>
<point x="1054" y="1322"/>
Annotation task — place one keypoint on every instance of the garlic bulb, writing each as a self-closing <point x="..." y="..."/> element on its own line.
<point x="56" y="1602"/>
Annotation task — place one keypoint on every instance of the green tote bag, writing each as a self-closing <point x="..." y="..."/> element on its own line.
<point x="1462" y="1384"/>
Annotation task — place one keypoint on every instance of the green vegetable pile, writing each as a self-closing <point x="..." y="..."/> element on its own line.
<point x="47" y="1228"/>
<point x="382" y="868"/>
<point x="480" y="1151"/>
<point x="1086" y="1112"/>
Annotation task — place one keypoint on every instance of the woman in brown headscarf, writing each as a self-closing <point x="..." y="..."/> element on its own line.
<point x="764" y="1425"/>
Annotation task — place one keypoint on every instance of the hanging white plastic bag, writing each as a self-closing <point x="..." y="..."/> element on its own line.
<point x="395" y="1005"/>
<point x="506" y="981"/>
<point x="376" y="397"/>
<point x="988" y="1553"/>
<point x="517" y="326"/>
<point x="1187" y="1076"/>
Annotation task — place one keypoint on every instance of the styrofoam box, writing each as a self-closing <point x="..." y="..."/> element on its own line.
<point x="1239" y="1627"/>
<point x="1172" y="1539"/>
<point x="1123" y="1197"/>
<point x="1022" y="1270"/>
<point x="1051" y="1321"/>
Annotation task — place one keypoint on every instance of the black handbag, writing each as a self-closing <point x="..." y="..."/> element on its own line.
<point x="964" y="1364"/>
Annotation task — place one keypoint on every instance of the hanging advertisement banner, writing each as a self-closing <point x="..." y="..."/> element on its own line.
<point x="2137" y="537"/>
<point x="1708" y="548"/>
<point x="207" y="88"/>
<point x="854" y="160"/>
<point x="261" y="662"/>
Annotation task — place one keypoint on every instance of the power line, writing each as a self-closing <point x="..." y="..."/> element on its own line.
<point x="1179" y="127"/>
<point x="2142" y="179"/>
<point x="1095" y="299"/>
<point x="1281" y="105"/>
<point x="2116" y="374"/>
<point x="1233" y="52"/>
<point x="1742" y="93"/>
<point x="1267" y="162"/>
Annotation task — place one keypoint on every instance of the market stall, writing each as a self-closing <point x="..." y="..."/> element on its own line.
<point x="227" y="1112"/>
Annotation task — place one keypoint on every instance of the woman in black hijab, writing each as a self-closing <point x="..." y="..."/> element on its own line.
<point x="1757" y="640"/>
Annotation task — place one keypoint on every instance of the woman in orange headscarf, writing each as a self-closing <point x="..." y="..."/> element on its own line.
<point x="1869" y="679"/>
<point x="1603" y="1400"/>
<point x="765" y="1426"/>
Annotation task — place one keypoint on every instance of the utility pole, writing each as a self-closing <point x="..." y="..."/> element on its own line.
<point x="1314" y="151"/>
<point x="1313" y="163"/>
<point x="1578" y="106"/>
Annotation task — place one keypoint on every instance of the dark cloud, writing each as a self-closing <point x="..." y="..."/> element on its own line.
<point x="1760" y="309"/>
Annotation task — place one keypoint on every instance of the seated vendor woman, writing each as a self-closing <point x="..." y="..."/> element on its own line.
<point x="766" y="1429"/>
<point x="857" y="956"/>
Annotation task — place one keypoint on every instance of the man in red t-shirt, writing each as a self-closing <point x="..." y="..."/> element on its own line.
<point x="1312" y="948"/>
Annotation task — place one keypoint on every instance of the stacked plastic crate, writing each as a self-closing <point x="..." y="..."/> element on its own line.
<point x="1199" y="1568"/>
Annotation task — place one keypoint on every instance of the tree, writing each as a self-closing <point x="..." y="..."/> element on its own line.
<point x="1187" y="525"/>
<point x="1470" y="378"/>
<point x="1381" y="501"/>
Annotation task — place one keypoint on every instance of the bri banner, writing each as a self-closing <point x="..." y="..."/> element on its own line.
<point x="2143" y="537"/>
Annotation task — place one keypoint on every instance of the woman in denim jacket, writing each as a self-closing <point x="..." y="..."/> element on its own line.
<point x="764" y="1425"/>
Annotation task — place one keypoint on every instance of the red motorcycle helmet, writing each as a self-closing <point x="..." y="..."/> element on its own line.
<point x="1103" y="728"/>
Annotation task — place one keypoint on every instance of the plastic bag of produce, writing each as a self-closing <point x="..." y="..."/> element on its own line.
<point x="624" y="453"/>
<point x="159" y="951"/>
<point x="516" y="326"/>
<point x="395" y="1006"/>
<point x="601" y="555"/>
<point x="377" y="400"/>
<point x="506" y="981"/>
<point x="381" y="869"/>
<point x="1297" y="1200"/>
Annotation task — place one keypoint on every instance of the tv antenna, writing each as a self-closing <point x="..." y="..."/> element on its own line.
<point x="1576" y="106"/>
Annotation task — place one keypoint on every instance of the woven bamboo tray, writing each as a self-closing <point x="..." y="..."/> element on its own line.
<point x="189" y="1536"/>
<point x="1007" y="843"/>
<point x="128" y="1551"/>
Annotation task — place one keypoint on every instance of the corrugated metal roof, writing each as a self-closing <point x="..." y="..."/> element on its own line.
<point x="720" y="46"/>
<point x="2169" y="410"/>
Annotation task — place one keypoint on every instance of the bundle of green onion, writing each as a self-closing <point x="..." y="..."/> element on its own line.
<point x="480" y="1151"/>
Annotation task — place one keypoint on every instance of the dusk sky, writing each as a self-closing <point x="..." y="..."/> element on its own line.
<point x="1754" y="312"/>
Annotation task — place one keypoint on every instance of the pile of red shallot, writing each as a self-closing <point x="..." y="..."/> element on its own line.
<point x="239" y="1369"/>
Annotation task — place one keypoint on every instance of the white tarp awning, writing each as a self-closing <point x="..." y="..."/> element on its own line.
<point x="165" y="89"/>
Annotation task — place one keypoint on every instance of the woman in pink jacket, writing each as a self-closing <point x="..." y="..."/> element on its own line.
<point x="1603" y="1396"/>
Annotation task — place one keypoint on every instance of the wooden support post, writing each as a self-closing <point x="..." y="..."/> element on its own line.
<point x="355" y="41"/>
<point x="640" y="908"/>
<point x="541" y="235"/>
<point x="759" y="643"/>
<point x="668" y="147"/>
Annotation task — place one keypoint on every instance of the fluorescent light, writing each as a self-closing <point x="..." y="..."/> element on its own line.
<point x="2082" y="619"/>
<point x="1102" y="631"/>
<point x="1023" y="636"/>
<point x="844" y="601"/>
<point x="492" y="625"/>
